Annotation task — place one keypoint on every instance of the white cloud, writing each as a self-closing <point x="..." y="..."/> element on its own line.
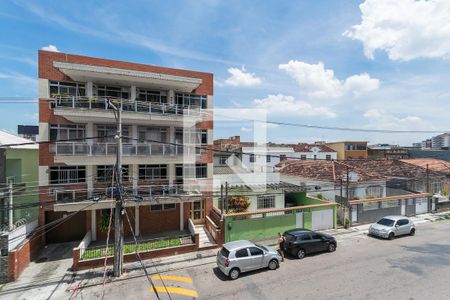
<point x="381" y="119"/>
<point x="362" y="83"/>
<point x="240" y="77"/>
<point x="287" y="105"/>
<point x="246" y="129"/>
<point x="51" y="48"/>
<point x="319" y="82"/>
<point x="405" y="29"/>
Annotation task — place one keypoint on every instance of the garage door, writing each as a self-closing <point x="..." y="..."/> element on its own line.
<point x="322" y="219"/>
<point x="421" y="206"/>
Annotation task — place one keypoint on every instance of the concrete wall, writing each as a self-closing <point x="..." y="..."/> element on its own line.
<point x="370" y="216"/>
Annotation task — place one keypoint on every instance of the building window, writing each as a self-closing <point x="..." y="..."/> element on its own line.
<point x="436" y="187"/>
<point x="328" y="157"/>
<point x="351" y="193"/>
<point x="191" y="101"/>
<point x="105" y="172"/>
<point x="112" y="91"/>
<point x="148" y="172"/>
<point x="160" y="207"/>
<point x="151" y="96"/>
<point x="315" y="157"/>
<point x="268" y="158"/>
<point x="223" y="160"/>
<point x="58" y="88"/>
<point x="252" y="158"/>
<point x="264" y="202"/>
<point x="201" y="171"/>
<point x="196" y="137"/>
<point x="303" y="157"/>
<point x="66" y="132"/>
<point x="107" y="133"/>
<point x="67" y="174"/>
<point x="361" y="147"/>
<point x="150" y="134"/>
<point x="195" y="171"/>
<point x="375" y="191"/>
<point x="282" y="157"/>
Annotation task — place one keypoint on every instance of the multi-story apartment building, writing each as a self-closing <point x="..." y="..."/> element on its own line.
<point x="348" y="150"/>
<point x="167" y="139"/>
<point x="441" y="141"/>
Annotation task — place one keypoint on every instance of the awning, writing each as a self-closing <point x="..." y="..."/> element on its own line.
<point x="121" y="77"/>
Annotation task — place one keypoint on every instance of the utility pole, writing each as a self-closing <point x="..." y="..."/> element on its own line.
<point x="347" y="196"/>
<point x="11" y="212"/>
<point x="222" y="206"/>
<point x="118" y="222"/>
<point x="428" y="187"/>
<point x="226" y="197"/>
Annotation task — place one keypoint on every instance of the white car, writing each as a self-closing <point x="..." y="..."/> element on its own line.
<point x="391" y="226"/>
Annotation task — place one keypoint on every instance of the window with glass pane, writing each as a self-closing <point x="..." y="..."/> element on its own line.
<point x="109" y="91"/>
<point x="105" y="172"/>
<point x="66" y="131"/>
<point x="147" y="172"/>
<point x="66" y="88"/>
<point x="265" y="202"/>
<point x="107" y="133"/>
<point x="201" y="171"/>
<point x="67" y="174"/>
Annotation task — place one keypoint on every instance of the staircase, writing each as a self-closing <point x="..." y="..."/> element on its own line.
<point x="206" y="241"/>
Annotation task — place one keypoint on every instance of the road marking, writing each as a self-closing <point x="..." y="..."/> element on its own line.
<point x="176" y="290"/>
<point x="174" y="278"/>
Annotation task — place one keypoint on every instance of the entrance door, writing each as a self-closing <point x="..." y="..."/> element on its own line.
<point x="198" y="211"/>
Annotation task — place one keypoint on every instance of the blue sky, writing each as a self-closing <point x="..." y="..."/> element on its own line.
<point x="303" y="61"/>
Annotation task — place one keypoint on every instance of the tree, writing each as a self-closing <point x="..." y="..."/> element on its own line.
<point x="238" y="204"/>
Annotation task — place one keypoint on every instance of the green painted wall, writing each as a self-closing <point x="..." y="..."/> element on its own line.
<point x="266" y="227"/>
<point x="23" y="164"/>
<point x="257" y="228"/>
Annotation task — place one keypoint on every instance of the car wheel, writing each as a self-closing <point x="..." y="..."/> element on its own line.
<point x="331" y="247"/>
<point x="412" y="232"/>
<point x="273" y="264"/>
<point x="234" y="273"/>
<point x="391" y="236"/>
<point x="301" y="253"/>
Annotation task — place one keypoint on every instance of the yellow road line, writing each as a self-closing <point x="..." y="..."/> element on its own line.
<point x="174" y="278"/>
<point x="176" y="290"/>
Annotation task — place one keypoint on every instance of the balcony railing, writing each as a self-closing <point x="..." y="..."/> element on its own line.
<point x="101" y="103"/>
<point x="100" y="149"/>
<point x="140" y="193"/>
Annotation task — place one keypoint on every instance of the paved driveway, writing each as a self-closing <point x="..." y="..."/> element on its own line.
<point x="48" y="277"/>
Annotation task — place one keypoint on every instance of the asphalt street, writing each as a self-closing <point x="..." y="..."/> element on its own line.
<point x="363" y="267"/>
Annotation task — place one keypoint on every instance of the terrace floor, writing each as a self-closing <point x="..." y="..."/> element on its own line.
<point x="144" y="237"/>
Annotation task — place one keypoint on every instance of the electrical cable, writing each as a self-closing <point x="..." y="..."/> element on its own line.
<point x="142" y="263"/>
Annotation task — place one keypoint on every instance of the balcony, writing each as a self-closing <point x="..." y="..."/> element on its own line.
<point x="143" y="195"/>
<point x="104" y="149"/>
<point x="101" y="104"/>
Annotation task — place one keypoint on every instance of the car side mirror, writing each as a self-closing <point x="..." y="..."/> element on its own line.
<point x="397" y="226"/>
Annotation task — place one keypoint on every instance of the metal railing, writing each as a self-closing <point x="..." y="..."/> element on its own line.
<point x="98" y="149"/>
<point x="143" y="246"/>
<point x="101" y="103"/>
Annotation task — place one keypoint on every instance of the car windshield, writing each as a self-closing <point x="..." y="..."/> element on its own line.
<point x="288" y="237"/>
<point x="262" y="247"/>
<point x="386" y="222"/>
<point x="225" y="252"/>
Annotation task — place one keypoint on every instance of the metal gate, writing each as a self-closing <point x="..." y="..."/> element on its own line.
<point x="322" y="219"/>
<point x="421" y="206"/>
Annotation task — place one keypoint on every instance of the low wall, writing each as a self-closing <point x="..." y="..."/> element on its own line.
<point x="215" y="230"/>
<point x="131" y="257"/>
<point x="19" y="258"/>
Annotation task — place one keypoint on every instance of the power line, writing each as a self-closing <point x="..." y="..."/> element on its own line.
<point x="335" y="128"/>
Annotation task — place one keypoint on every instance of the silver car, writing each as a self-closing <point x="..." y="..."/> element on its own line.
<point x="392" y="226"/>
<point x="242" y="256"/>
